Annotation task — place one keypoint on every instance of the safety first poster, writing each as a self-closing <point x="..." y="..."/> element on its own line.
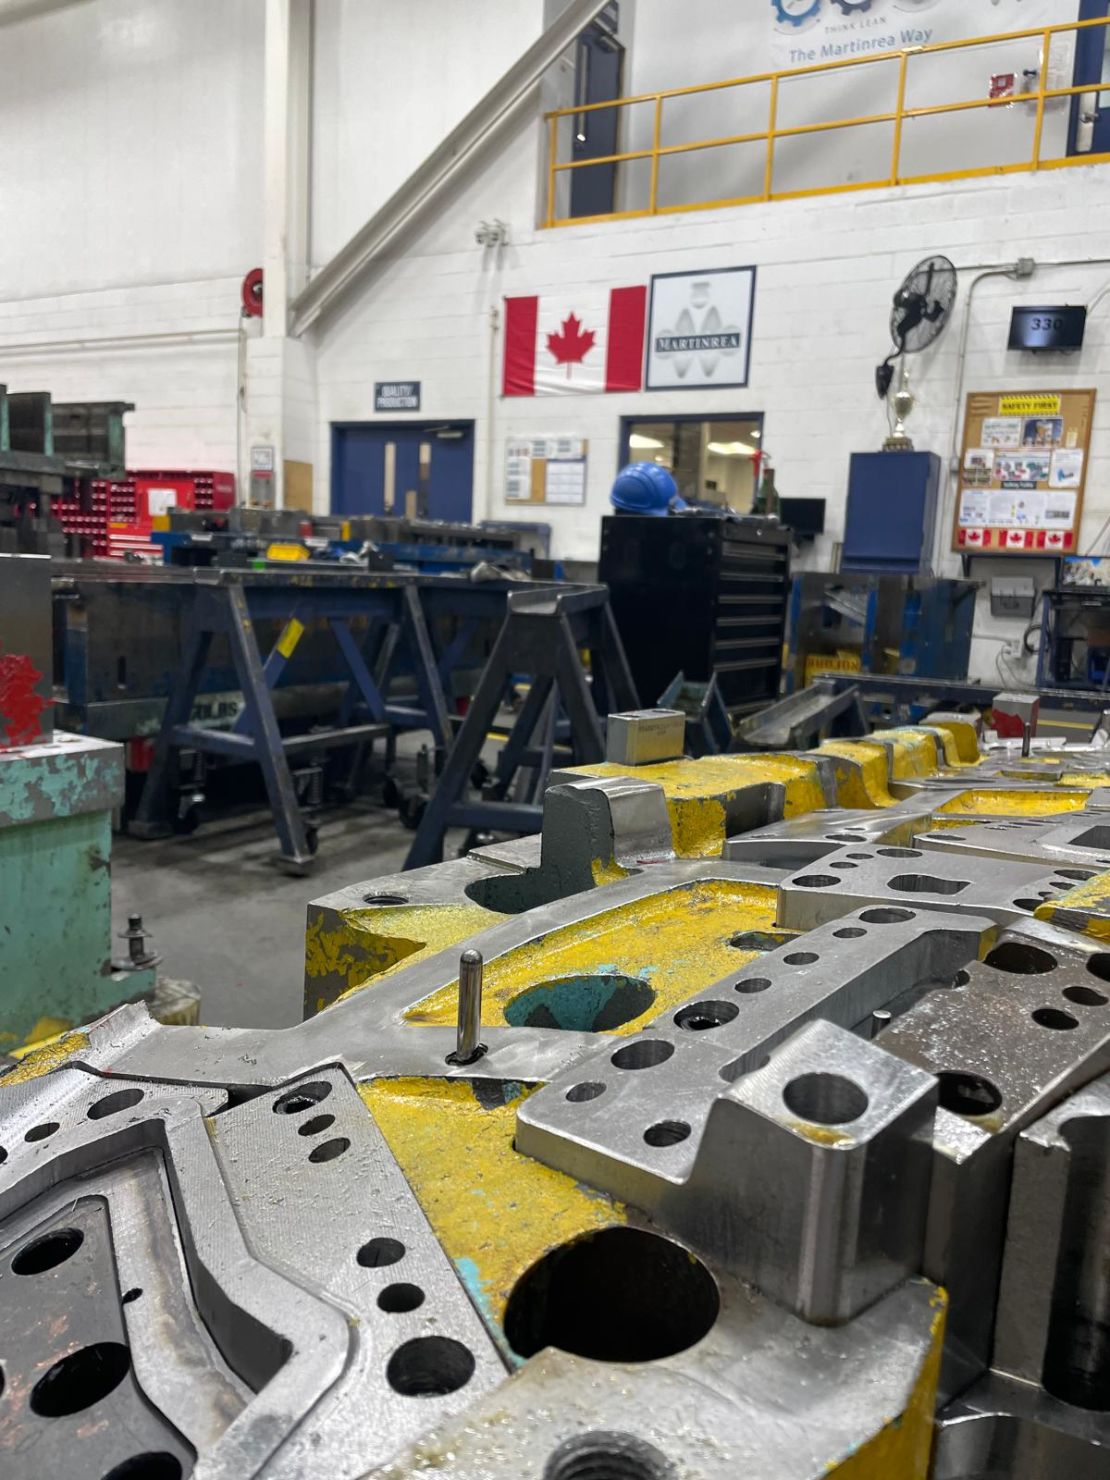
<point x="1023" y="470"/>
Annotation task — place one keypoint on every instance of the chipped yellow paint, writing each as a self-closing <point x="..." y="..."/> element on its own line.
<point x="699" y="792"/>
<point x="494" y="1211"/>
<point x="606" y="871"/>
<point x="986" y="803"/>
<point x="1085" y="908"/>
<point x="677" y="941"/>
<point x="43" y="1057"/>
<point x="864" y="780"/>
<point x="820" y="1135"/>
<point x="964" y="738"/>
<point x="358" y="946"/>
<point x="903" y="1448"/>
<point x="913" y="753"/>
<point x="1085" y="780"/>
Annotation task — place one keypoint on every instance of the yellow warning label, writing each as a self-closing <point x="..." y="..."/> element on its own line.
<point x="289" y="639"/>
<point x="1029" y="406"/>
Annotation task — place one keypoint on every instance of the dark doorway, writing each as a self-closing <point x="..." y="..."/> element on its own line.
<point x="417" y="470"/>
<point x="598" y="75"/>
<point x="1089" y="132"/>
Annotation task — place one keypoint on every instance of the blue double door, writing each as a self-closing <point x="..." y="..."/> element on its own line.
<point x="421" y="470"/>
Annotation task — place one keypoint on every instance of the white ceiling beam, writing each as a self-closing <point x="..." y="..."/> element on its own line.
<point x="441" y="166"/>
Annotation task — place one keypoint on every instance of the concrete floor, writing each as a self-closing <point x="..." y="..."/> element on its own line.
<point x="224" y="917"/>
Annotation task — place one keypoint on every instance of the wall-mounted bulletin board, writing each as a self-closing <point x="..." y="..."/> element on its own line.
<point x="1023" y="470"/>
<point x="546" y="470"/>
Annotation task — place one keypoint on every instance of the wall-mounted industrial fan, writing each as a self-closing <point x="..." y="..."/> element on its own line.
<point x="922" y="307"/>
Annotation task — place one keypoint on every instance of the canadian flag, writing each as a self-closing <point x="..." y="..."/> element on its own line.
<point x="589" y="340"/>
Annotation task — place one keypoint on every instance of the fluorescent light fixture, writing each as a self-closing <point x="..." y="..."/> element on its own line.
<point x="732" y="449"/>
<point x="644" y="444"/>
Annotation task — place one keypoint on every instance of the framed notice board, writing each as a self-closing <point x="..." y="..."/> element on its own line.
<point x="1023" y="470"/>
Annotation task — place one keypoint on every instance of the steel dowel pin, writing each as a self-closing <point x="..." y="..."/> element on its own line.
<point x="880" y="1019"/>
<point x="467" y="1047"/>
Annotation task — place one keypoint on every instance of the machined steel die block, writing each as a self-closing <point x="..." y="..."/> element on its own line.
<point x="600" y="1119"/>
<point x="812" y="1176"/>
<point x="644" y="737"/>
<point x="896" y="877"/>
<point x="1028" y="1026"/>
<point x="1054" y="1303"/>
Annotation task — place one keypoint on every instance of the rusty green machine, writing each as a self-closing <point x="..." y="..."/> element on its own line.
<point x="57" y="795"/>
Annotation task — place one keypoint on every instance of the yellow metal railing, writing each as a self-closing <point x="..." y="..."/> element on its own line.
<point x="773" y="133"/>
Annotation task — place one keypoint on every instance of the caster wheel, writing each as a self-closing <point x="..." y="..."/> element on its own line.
<point x="412" y="810"/>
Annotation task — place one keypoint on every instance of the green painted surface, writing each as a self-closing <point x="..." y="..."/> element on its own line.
<point x="70" y="774"/>
<point x="55" y="923"/>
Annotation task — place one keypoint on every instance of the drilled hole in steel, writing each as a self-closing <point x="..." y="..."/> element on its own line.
<point x="589" y="1089"/>
<point x="750" y="984"/>
<point x="850" y="932"/>
<point x="586" y="1297"/>
<point x="429" y="1367"/>
<point x="967" y="1094"/>
<point x="1022" y="959"/>
<point x="1086" y="996"/>
<point x="384" y="899"/>
<point x="961" y="978"/>
<point x="926" y="884"/>
<point x="1054" y="1017"/>
<point x="825" y="1099"/>
<point x="1030" y="903"/>
<point x="315" y="1125"/>
<point x="581" y="1004"/>
<point x="843" y="863"/>
<point x="860" y="856"/>
<point x="816" y="881"/>
<point x="698" y="1017"/>
<point x="153" y="1465"/>
<point x="294" y="1101"/>
<point x="120" y="1099"/>
<point x="643" y="1055"/>
<point x="400" y="1298"/>
<point x="666" y="1133"/>
<point x="329" y="1150"/>
<point x="48" y="1251"/>
<point x="40" y="1132"/>
<point x="132" y="1294"/>
<point x="607" y="1455"/>
<point x="379" y="1252"/>
<point x="883" y="916"/>
<point x="78" y="1381"/>
<point x="844" y="837"/>
<point x="801" y="958"/>
<point x="3" y="1155"/>
<point x="1081" y="874"/>
<point x="1099" y="966"/>
<point x="900" y="852"/>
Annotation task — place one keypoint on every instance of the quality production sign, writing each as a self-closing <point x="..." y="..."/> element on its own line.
<point x="396" y="395"/>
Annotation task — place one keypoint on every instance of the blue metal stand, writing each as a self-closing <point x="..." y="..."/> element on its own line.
<point x="542" y="636"/>
<point x="229" y="605"/>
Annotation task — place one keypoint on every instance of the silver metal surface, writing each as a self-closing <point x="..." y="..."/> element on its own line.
<point x="643" y="737"/>
<point x="897" y="877"/>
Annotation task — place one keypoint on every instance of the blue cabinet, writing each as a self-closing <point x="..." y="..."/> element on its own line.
<point x="892" y="511"/>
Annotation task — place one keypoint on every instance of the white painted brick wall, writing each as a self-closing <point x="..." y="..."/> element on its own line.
<point x="827" y="269"/>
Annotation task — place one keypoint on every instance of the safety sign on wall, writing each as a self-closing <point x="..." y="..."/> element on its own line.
<point x="1023" y="470"/>
<point x="700" y="329"/>
<point x="546" y="470"/>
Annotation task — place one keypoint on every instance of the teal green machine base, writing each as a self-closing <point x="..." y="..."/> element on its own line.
<point x="56" y="801"/>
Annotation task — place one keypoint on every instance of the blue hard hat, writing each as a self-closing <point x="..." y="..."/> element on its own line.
<point x="645" y="488"/>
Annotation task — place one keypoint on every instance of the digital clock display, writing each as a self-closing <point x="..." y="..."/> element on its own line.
<point x="1047" y="328"/>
